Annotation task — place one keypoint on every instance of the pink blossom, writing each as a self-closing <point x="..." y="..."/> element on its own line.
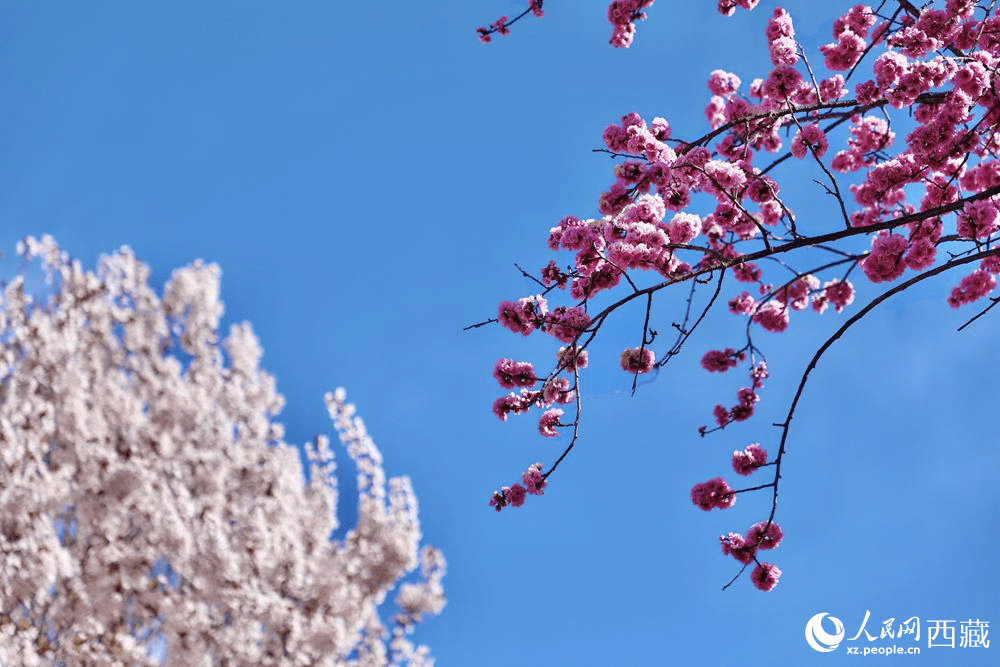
<point x="552" y="275"/>
<point x="837" y="293"/>
<point x="850" y="31"/>
<point x="765" y="576"/>
<point x="885" y="261"/>
<point x="832" y="88"/>
<point x="637" y="360"/>
<point x="867" y="92"/>
<point x="773" y="316"/>
<point x="523" y="315"/>
<point x="727" y="7"/>
<point x="557" y="390"/>
<point x="809" y="138"/>
<point x="973" y="79"/>
<point x="889" y="67"/>
<point x="991" y="264"/>
<point x="549" y="421"/>
<point x="781" y="82"/>
<point x="616" y="198"/>
<point x="514" y="403"/>
<point x="723" y="83"/>
<point x="566" y="324"/>
<point x="858" y="19"/>
<point x="979" y="219"/>
<point x="515" y="495"/>
<point x="715" y="112"/>
<point x="743" y="410"/>
<point x="762" y="189"/>
<point x="719" y="361"/>
<point x="533" y="479"/>
<point x="921" y="255"/>
<point x="973" y="287"/>
<point x="660" y="128"/>
<point x="724" y="175"/>
<point x="683" y="228"/>
<point x="751" y="458"/>
<point x="603" y="276"/>
<point x="784" y="51"/>
<point x="747" y="272"/>
<point x="500" y="25"/>
<point x="742" y="305"/>
<point x="796" y="294"/>
<point x="736" y="546"/>
<point x="572" y="357"/>
<point x="766" y="535"/>
<point x="510" y="373"/>
<point x="721" y="414"/>
<point x="714" y="493"/>
<point x="622" y="14"/>
<point x="499" y="499"/>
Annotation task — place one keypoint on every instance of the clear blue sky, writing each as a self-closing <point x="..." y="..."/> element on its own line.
<point x="367" y="173"/>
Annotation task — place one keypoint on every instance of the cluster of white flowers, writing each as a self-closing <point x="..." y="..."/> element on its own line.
<point x="150" y="511"/>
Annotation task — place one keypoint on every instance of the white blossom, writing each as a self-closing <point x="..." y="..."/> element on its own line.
<point x="150" y="510"/>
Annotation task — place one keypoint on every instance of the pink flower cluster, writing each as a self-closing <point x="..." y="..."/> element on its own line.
<point x="530" y="313"/>
<point x="836" y="293"/>
<point x="714" y="493"/>
<point x="728" y="7"/>
<point x="572" y="358"/>
<point x="796" y="294"/>
<point x="549" y="422"/>
<point x="892" y="254"/>
<point x="499" y="26"/>
<point x="781" y="38"/>
<point x="556" y="390"/>
<point x="509" y="495"/>
<point x="623" y="14"/>
<point x="869" y="134"/>
<point x="637" y="360"/>
<point x="763" y="535"/>
<point x="747" y="399"/>
<point x="502" y="25"/>
<point x="553" y="275"/>
<point x="566" y="324"/>
<point x="885" y="261"/>
<point x="523" y="316"/>
<point x="933" y="29"/>
<point x="851" y="32"/>
<point x="772" y="315"/>
<point x="809" y="139"/>
<point x="510" y="373"/>
<point x="723" y="83"/>
<point x="765" y="576"/>
<point x="973" y="287"/>
<point x="720" y="361"/>
<point x="533" y="483"/>
<point x="749" y="459"/>
<point x="979" y="219"/>
<point x="714" y="202"/>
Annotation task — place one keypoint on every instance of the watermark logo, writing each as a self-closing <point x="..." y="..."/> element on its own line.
<point x="819" y="638"/>
<point x="972" y="634"/>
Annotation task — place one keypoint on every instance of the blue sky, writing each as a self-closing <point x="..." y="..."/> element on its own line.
<point x="366" y="174"/>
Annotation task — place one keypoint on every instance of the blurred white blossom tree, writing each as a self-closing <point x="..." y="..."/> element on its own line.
<point x="150" y="511"/>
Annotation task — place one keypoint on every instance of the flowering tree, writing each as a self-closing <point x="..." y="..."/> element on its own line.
<point x="686" y="213"/>
<point x="150" y="511"/>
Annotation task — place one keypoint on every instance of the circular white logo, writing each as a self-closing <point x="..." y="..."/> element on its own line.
<point x="819" y="638"/>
